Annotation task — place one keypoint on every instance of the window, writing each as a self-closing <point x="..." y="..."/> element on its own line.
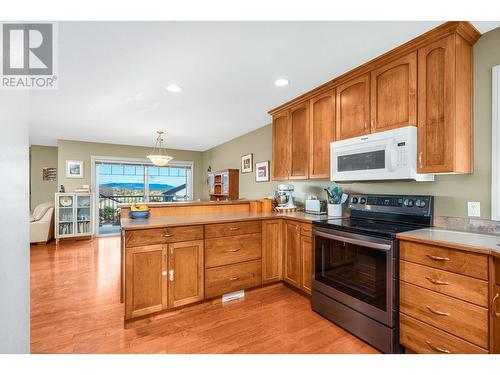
<point x="495" y="147"/>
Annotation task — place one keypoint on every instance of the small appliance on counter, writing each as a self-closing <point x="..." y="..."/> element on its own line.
<point x="284" y="199"/>
<point x="315" y="206"/>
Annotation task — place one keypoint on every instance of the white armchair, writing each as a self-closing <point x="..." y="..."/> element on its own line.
<point x="42" y="223"/>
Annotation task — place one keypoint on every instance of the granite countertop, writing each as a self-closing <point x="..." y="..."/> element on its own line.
<point x="468" y="241"/>
<point x="198" y="219"/>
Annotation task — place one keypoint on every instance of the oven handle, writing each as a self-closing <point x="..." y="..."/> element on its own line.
<point x="378" y="246"/>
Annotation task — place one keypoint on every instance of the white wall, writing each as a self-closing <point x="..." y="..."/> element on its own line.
<point x="14" y="218"/>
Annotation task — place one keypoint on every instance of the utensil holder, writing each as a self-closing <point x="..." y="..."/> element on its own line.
<point x="335" y="210"/>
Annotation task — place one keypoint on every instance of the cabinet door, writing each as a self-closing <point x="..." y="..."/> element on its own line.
<point x="394" y="94"/>
<point x="145" y="280"/>
<point x="436" y="70"/>
<point x="299" y="142"/>
<point x="185" y="273"/>
<point x="281" y="146"/>
<point x="307" y="263"/>
<point x="353" y="108"/>
<point x="291" y="271"/>
<point x="321" y="133"/>
<point x="495" y="315"/>
<point x="272" y="251"/>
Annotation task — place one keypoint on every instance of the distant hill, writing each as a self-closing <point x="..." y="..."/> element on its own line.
<point x="136" y="186"/>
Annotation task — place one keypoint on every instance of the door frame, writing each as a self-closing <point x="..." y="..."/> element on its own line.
<point x="495" y="143"/>
<point x="94" y="180"/>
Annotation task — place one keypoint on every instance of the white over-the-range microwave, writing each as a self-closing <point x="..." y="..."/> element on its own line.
<point x="388" y="155"/>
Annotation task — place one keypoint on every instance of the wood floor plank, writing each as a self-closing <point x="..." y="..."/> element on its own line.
<point x="75" y="308"/>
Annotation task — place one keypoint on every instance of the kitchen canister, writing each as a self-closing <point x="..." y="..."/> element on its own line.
<point x="335" y="210"/>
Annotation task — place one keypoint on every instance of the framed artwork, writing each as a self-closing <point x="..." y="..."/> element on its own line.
<point x="247" y="163"/>
<point x="49" y="174"/>
<point x="74" y="169"/>
<point x="262" y="171"/>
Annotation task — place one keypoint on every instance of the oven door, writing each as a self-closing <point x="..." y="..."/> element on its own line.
<point x="356" y="270"/>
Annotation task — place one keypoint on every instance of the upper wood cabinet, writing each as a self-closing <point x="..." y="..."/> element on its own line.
<point x="321" y="134"/>
<point x="281" y="146"/>
<point x="272" y="238"/>
<point x="394" y="94"/>
<point x="185" y="273"/>
<point x="145" y="284"/>
<point x="353" y="108"/>
<point x="299" y="141"/>
<point x="445" y="106"/>
<point x="426" y="82"/>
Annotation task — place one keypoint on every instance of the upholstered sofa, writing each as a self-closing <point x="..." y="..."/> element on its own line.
<point x="42" y="223"/>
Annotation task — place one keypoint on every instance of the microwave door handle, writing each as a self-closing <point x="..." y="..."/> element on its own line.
<point x="372" y="245"/>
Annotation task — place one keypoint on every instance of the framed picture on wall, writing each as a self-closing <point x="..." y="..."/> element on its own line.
<point x="247" y="163"/>
<point x="262" y="171"/>
<point x="74" y="169"/>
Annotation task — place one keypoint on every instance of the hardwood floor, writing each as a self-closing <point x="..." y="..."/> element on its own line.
<point x="75" y="308"/>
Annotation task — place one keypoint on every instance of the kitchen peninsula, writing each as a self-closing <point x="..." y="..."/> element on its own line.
<point x="191" y="251"/>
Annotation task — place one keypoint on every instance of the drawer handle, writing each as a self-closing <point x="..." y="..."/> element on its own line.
<point x="167" y="235"/>
<point x="437" y="282"/>
<point x="494" y="307"/>
<point x="437" y="312"/>
<point x="232" y="250"/>
<point x="441" y="259"/>
<point x="436" y="348"/>
<point x="234" y="228"/>
<point x="234" y="278"/>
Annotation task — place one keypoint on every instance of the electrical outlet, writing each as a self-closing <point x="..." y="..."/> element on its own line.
<point x="474" y="209"/>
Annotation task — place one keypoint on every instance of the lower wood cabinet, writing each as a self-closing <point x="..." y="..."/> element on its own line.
<point x="272" y="251"/>
<point x="291" y="252"/>
<point x="306" y="251"/>
<point x="164" y="276"/>
<point x="146" y="280"/>
<point x="233" y="277"/>
<point x="185" y="275"/>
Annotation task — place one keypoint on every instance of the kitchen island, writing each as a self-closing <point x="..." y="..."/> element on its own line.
<point x="185" y="253"/>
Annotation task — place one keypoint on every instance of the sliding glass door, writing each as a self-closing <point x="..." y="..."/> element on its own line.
<point x="135" y="182"/>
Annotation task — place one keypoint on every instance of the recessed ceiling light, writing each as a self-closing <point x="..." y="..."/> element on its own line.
<point x="281" y="82"/>
<point x="173" y="88"/>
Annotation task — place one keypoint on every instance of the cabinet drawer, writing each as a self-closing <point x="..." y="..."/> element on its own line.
<point x="306" y="229"/>
<point x="228" y="250"/>
<point x="463" y="287"/>
<point x="459" y="318"/>
<point x="163" y="235"/>
<point x="232" y="229"/>
<point x="424" y="339"/>
<point x="226" y="279"/>
<point x="475" y="265"/>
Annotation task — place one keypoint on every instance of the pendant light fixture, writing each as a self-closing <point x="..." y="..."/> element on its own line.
<point x="159" y="155"/>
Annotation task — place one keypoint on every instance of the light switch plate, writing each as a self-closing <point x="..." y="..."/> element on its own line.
<point x="474" y="209"/>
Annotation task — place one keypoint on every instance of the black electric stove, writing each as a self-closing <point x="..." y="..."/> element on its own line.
<point x="356" y="265"/>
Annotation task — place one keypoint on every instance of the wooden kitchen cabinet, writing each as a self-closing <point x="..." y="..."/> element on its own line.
<point x="445" y="106"/>
<point x="272" y="249"/>
<point x="353" y="108"/>
<point x="291" y="251"/>
<point x="185" y="273"/>
<point x="281" y="146"/>
<point x="306" y="252"/>
<point x="146" y="281"/>
<point x="495" y="315"/>
<point x="394" y="94"/>
<point x="299" y="142"/>
<point x="321" y="133"/>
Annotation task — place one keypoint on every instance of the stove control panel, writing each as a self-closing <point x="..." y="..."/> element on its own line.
<point x="421" y="205"/>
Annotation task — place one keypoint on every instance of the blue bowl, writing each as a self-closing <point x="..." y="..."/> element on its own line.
<point x="139" y="214"/>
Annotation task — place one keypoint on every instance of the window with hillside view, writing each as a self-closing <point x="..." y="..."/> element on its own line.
<point x="138" y="183"/>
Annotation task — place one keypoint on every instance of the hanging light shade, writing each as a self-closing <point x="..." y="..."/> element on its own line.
<point x="159" y="155"/>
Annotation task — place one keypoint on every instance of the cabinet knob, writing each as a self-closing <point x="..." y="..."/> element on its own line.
<point x="164" y="273"/>
<point x="420" y="159"/>
<point x="234" y="278"/>
<point x="171" y="273"/>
